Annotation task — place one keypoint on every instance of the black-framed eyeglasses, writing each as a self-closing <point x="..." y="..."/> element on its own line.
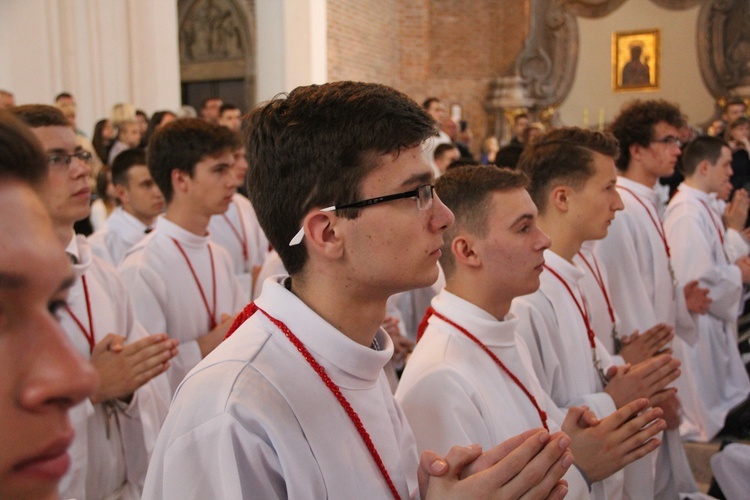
<point x="423" y="194"/>
<point x="64" y="159"/>
<point x="669" y="141"/>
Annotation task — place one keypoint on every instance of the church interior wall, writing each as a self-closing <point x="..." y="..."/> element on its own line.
<point x="680" y="80"/>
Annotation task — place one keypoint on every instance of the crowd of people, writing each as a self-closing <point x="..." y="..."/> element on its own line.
<point x="339" y="301"/>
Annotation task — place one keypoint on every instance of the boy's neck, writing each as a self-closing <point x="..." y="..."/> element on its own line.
<point x="695" y="183"/>
<point x="564" y="241"/>
<point x="640" y="175"/>
<point x="187" y="218"/>
<point x="471" y="289"/>
<point x="351" y="311"/>
<point x="146" y="221"/>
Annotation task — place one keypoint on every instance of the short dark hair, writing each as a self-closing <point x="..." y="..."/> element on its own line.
<point x="227" y="107"/>
<point x="635" y="125"/>
<point x="154" y="123"/>
<point x="508" y="156"/>
<point x="314" y="148"/>
<point x="701" y="148"/>
<point x="733" y="101"/>
<point x="428" y="102"/>
<point x="21" y="155"/>
<point x="181" y="144"/>
<point x="63" y="95"/>
<point x="209" y="99"/>
<point x="563" y="156"/>
<point x="140" y="112"/>
<point x="442" y="148"/>
<point x="124" y="162"/>
<point x="40" y="115"/>
<point x="519" y="116"/>
<point x="467" y="192"/>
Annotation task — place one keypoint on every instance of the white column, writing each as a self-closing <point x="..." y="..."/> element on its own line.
<point x="292" y="45"/>
<point x="103" y="52"/>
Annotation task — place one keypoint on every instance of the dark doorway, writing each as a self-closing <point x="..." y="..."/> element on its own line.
<point x="231" y="91"/>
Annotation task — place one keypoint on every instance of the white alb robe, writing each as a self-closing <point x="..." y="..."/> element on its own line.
<point x="166" y="296"/>
<point x="644" y="293"/>
<point x="713" y="378"/>
<point x="240" y="229"/>
<point x="102" y="466"/>
<point x="119" y="234"/>
<point x="453" y="393"/>
<point x="253" y="420"/>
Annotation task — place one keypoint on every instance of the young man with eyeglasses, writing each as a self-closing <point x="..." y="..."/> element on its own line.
<point x="637" y="258"/>
<point x="295" y="403"/>
<point x="117" y="425"/>
<point x="182" y="282"/>
<point x="715" y="379"/>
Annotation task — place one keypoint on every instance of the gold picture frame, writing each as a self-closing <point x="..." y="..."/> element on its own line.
<point x="635" y="60"/>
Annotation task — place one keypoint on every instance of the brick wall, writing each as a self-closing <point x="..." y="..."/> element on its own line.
<point x="447" y="48"/>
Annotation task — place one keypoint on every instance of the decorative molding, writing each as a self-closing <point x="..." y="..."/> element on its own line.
<point x="724" y="47"/>
<point x="593" y="8"/>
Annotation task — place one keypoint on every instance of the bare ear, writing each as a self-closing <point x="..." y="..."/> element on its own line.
<point x="703" y="167"/>
<point x="464" y="252"/>
<point x="558" y="197"/>
<point x="120" y="191"/>
<point x="635" y="150"/>
<point x="179" y="180"/>
<point x="321" y="234"/>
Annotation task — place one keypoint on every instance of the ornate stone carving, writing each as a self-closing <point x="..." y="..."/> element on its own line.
<point x="216" y="40"/>
<point x="724" y="47"/>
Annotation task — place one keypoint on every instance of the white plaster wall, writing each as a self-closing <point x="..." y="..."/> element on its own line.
<point x="680" y="79"/>
<point x="103" y="52"/>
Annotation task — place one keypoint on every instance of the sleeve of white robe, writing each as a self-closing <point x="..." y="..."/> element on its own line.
<point x="535" y="329"/>
<point x="149" y="295"/>
<point x="218" y="459"/>
<point x="694" y="259"/>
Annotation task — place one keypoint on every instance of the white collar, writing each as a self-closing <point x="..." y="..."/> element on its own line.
<point x="171" y="230"/>
<point x="483" y="325"/>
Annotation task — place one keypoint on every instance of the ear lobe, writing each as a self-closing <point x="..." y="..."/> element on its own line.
<point x="178" y="179"/>
<point x="321" y="234"/>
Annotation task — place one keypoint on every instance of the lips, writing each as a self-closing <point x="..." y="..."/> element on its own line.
<point x="86" y="192"/>
<point x="51" y="463"/>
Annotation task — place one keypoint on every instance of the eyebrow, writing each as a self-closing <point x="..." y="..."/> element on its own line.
<point x="522" y="218"/>
<point x="421" y="178"/>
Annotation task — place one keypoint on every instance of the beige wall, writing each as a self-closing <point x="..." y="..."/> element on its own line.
<point x="680" y="79"/>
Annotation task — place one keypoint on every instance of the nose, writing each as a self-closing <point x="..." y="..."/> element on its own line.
<point x="57" y="375"/>
<point x="544" y="241"/>
<point x="618" y="204"/>
<point x="442" y="218"/>
<point x="79" y="168"/>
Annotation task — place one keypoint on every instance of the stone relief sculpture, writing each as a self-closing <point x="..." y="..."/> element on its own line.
<point x="210" y="30"/>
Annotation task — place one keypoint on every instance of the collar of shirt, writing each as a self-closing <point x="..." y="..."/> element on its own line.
<point x="130" y="229"/>
<point x="349" y="364"/>
<point x="79" y="249"/>
<point x="483" y="325"/>
<point x="186" y="238"/>
<point x="645" y="192"/>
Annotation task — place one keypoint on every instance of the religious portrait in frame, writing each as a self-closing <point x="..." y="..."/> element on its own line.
<point x="635" y="60"/>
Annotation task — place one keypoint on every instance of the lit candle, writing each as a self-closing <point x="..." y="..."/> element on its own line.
<point x="585" y="117"/>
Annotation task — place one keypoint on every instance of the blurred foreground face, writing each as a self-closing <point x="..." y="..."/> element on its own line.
<point x="43" y="376"/>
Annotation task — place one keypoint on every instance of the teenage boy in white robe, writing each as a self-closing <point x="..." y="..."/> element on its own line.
<point x="573" y="180"/>
<point x="181" y="281"/>
<point x="238" y="231"/>
<point x="43" y="375"/>
<point x="141" y="203"/>
<point x="636" y="256"/>
<point x="117" y="425"/>
<point x="715" y="379"/>
<point x="453" y="390"/>
<point x="295" y="403"/>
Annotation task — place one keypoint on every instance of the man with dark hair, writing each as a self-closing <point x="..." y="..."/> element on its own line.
<point x="520" y="125"/>
<point x="573" y="178"/>
<point x="470" y="379"/>
<point x="181" y="282"/>
<point x="297" y="396"/>
<point x="230" y="117"/>
<point x="117" y="425"/>
<point x="715" y="380"/>
<point x="210" y="109"/>
<point x="436" y="110"/>
<point x="636" y="256"/>
<point x="444" y="155"/>
<point x="43" y="375"/>
<point x="141" y="202"/>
